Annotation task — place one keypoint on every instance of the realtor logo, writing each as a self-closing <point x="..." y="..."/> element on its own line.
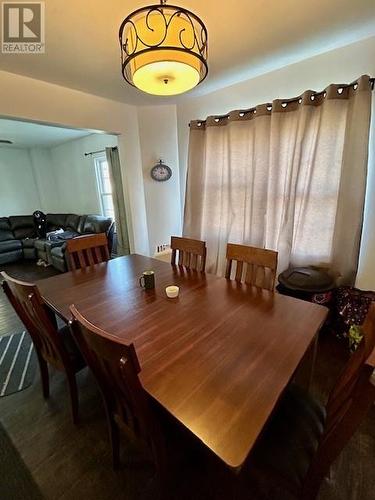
<point x="23" y="28"/>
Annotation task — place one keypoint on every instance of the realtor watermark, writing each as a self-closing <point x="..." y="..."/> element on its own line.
<point x="23" y="29"/>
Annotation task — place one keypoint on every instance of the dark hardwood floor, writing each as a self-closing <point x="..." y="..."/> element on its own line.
<point x="69" y="462"/>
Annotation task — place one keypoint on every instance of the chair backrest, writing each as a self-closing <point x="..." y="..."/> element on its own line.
<point x="115" y="367"/>
<point x="87" y="250"/>
<point x="349" y="401"/>
<point x="254" y="266"/>
<point x="191" y="253"/>
<point x="37" y="318"/>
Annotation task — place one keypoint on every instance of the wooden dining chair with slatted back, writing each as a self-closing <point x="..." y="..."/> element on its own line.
<point x="85" y="251"/>
<point x="304" y="438"/>
<point x="52" y="345"/>
<point x="191" y="253"/>
<point x="254" y="266"/>
<point x="116" y="369"/>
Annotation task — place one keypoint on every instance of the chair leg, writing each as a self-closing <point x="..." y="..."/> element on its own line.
<point x="73" y="396"/>
<point x="43" y="366"/>
<point x="114" y="436"/>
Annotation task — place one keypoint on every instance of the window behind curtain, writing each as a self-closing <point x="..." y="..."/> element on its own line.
<point x="289" y="176"/>
<point x="104" y="186"/>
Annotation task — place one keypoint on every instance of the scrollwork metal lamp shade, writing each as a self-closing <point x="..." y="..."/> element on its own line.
<point x="163" y="49"/>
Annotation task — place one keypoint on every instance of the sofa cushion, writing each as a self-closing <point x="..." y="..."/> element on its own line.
<point x="55" y="221"/>
<point x="23" y="226"/>
<point x="12" y="256"/>
<point x="71" y="223"/>
<point x="58" y="252"/>
<point x="40" y="244"/>
<point x="29" y="253"/>
<point x="81" y="223"/>
<point x="96" y="224"/>
<point x="5" y="230"/>
<point x="10" y="245"/>
<point x="28" y="242"/>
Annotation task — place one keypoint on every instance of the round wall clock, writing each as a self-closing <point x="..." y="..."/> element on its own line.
<point x="161" y="172"/>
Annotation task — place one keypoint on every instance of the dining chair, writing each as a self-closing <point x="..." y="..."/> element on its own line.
<point x="86" y="251"/>
<point x="304" y="437"/>
<point x="254" y="266"/>
<point x="116" y="369"/>
<point x="191" y="253"/>
<point x="53" y="345"/>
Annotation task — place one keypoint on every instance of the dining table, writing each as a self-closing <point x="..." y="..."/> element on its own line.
<point x="218" y="357"/>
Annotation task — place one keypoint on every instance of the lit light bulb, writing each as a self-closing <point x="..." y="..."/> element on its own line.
<point x="166" y="78"/>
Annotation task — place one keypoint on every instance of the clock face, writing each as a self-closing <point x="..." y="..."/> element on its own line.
<point x="161" y="172"/>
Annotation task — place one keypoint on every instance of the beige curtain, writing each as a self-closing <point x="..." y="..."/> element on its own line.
<point x="118" y="201"/>
<point x="288" y="176"/>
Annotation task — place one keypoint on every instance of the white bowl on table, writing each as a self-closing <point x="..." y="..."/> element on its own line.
<point x="172" y="291"/>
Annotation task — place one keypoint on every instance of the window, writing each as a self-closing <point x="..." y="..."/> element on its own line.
<point x="104" y="186"/>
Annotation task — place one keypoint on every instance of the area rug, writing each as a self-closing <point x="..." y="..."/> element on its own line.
<point x="16" y="482"/>
<point x="17" y="363"/>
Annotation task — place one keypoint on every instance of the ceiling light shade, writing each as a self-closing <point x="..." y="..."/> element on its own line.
<point x="163" y="49"/>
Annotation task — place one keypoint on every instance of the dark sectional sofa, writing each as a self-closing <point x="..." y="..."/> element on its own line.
<point x="18" y="236"/>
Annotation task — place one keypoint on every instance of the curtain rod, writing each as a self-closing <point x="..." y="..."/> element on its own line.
<point x="95" y="152"/>
<point x="293" y="99"/>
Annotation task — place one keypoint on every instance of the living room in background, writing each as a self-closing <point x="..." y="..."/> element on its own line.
<point x="45" y="169"/>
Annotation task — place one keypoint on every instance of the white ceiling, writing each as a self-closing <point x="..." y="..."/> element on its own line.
<point x="31" y="135"/>
<point x="246" y="38"/>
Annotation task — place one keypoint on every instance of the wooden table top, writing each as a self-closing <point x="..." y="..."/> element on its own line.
<point x="217" y="358"/>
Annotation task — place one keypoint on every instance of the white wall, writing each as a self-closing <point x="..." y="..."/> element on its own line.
<point x="75" y="176"/>
<point x="19" y="194"/>
<point x="338" y="66"/>
<point x="158" y="136"/>
<point x="26" y="98"/>
<point x="44" y="175"/>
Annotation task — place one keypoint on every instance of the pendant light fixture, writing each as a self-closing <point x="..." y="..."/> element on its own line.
<point x="163" y="49"/>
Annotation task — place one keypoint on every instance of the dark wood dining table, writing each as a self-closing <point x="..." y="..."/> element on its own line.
<point x="218" y="357"/>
